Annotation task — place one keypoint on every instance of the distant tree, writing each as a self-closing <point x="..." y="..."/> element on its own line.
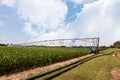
<point x="62" y="46"/>
<point x="80" y="46"/>
<point x="103" y="46"/>
<point x="111" y="46"/>
<point x="3" y="44"/>
<point x="117" y="44"/>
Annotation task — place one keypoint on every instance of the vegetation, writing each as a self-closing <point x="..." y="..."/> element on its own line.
<point x="3" y="44"/>
<point x="97" y="69"/>
<point x="20" y="58"/>
<point x="103" y="47"/>
<point x="117" y="44"/>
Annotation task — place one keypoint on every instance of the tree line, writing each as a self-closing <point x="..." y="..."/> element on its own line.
<point x="116" y="44"/>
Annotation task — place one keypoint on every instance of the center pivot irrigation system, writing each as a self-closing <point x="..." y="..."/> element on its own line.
<point x="92" y="43"/>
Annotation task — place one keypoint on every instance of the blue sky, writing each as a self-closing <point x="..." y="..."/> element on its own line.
<point x="13" y="24"/>
<point x="27" y="20"/>
<point x="11" y="30"/>
<point x="72" y="11"/>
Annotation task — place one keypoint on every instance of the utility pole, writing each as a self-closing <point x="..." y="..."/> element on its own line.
<point x="98" y="40"/>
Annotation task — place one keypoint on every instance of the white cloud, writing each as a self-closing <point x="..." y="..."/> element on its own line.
<point x="1" y="23"/>
<point x="61" y="33"/>
<point x="43" y="13"/>
<point x="28" y="29"/>
<point x="101" y="16"/>
<point x="77" y="2"/>
<point x="96" y="16"/>
<point x="8" y="3"/>
<point x="40" y="12"/>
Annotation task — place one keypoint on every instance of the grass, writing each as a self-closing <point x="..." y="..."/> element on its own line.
<point x="58" y="71"/>
<point x="21" y="58"/>
<point x="95" y="69"/>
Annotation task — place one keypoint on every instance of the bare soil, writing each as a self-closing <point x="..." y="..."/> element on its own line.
<point x="28" y="73"/>
<point x="116" y="73"/>
<point x="118" y="54"/>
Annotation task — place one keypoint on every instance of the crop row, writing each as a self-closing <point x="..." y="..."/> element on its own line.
<point x="20" y="58"/>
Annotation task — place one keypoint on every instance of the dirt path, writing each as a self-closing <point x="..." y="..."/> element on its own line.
<point x="116" y="73"/>
<point x="27" y="73"/>
<point x="117" y="52"/>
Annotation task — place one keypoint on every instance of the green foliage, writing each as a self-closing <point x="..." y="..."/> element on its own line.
<point x="111" y="46"/>
<point x="20" y="58"/>
<point x="103" y="48"/>
<point x="117" y="44"/>
<point x="3" y="44"/>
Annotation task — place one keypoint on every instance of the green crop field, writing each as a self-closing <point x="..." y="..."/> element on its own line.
<point x="20" y="58"/>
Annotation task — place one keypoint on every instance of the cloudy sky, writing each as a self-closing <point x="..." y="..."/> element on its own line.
<point x="32" y="20"/>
